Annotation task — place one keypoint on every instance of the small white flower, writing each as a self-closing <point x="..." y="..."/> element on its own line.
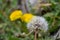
<point x="37" y="22"/>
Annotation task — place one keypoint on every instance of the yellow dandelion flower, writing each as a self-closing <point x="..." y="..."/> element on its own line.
<point x="26" y="17"/>
<point x="15" y="15"/>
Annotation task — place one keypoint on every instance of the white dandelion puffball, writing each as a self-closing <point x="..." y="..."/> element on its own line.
<point x="37" y="22"/>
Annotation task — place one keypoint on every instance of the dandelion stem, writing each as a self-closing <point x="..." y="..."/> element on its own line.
<point x="36" y="34"/>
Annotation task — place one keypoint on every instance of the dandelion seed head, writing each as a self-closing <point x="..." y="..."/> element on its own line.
<point x="37" y="22"/>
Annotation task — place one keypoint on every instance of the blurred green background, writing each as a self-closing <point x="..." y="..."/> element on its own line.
<point x="9" y="30"/>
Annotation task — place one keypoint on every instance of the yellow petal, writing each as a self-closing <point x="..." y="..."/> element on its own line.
<point x="26" y="17"/>
<point x="15" y="15"/>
